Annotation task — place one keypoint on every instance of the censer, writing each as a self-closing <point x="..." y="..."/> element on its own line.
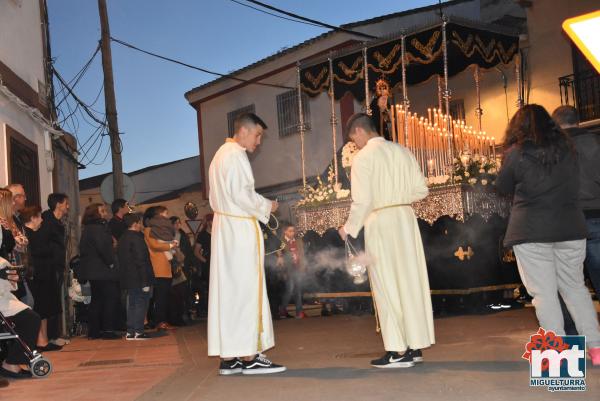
<point x="356" y="263"/>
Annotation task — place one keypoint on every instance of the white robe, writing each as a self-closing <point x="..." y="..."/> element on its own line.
<point x="237" y="258"/>
<point x="386" y="174"/>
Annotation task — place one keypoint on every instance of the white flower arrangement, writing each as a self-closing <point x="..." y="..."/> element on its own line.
<point x="324" y="191"/>
<point x="438" y="180"/>
<point x="475" y="168"/>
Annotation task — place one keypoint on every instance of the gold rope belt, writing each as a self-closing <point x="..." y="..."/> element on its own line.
<point x="260" y="270"/>
<point x="390" y="207"/>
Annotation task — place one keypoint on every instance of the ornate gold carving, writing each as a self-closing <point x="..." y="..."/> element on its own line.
<point x="441" y="201"/>
<point x="316" y="81"/>
<point x="461" y="254"/>
<point x="384" y="62"/>
<point x="488" y="52"/>
<point x="427" y="49"/>
<point x="466" y="46"/>
<point x="450" y="200"/>
<point x="506" y="55"/>
<point x="351" y="71"/>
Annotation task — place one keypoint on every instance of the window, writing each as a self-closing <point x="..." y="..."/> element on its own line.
<point x="287" y="113"/>
<point x="23" y="165"/>
<point x="232" y="115"/>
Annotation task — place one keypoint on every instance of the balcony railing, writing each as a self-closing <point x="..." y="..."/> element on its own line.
<point x="582" y="91"/>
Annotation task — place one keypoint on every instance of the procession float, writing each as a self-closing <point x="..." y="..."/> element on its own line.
<point x="463" y="219"/>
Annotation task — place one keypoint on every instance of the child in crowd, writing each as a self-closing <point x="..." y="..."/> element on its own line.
<point x="137" y="275"/>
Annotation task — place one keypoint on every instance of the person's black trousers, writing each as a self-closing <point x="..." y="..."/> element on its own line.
<point x="27" y="326"/>
<point x="105" y="298"/>
<point x="162" y="287"/>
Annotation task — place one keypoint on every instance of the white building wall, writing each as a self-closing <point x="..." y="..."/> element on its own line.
<point x="21" y="45"/>
<point x="549" y="47"/>
<point x="21" y="50"/>
<point x="153" y="183"/>
<point x="13" y="116"/>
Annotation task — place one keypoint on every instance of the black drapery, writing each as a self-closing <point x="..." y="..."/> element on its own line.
<point x="424" y="55"/>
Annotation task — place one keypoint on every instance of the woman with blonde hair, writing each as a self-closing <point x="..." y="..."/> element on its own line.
<point x="10" y="236"/>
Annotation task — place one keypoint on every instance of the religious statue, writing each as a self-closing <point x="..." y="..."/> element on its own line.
<point x="380" y="108"/>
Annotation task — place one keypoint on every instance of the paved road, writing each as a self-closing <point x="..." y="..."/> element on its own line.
<point x="476" y="358"/>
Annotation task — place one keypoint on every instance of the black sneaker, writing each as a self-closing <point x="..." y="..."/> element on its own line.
<point x="110" y="335"/>
<point x="417" y="355"/>
<point x="394" y="360"/>
<point x="260" y="365"/>
<point x="137" y="336"/>
<point x="231" y="367"/>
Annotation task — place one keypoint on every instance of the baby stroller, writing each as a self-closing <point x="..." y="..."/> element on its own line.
<point x="39" y="366"/>
<point x="81" y="296"/>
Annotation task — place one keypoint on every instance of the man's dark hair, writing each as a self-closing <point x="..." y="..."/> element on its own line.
<point x="285" y="225"/>
<point x="131" y="218"/>
<point x="247" y="120"/>
<point x="174" y="219"/>
<point x="152" y="212"/>
<point x="56" y="198"/>
<point x="117" y="204"/>
<point x="91" y="214"/>
<point x="359" y="120"/>
<point x="566" y="115"/>
<point x="29" y="212"/>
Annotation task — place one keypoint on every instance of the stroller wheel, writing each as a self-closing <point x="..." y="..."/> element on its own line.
<point x="41" y="368"/>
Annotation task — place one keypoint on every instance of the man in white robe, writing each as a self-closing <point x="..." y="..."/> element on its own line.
<point x="239" y="317"/>
<point x="385" y="180"/>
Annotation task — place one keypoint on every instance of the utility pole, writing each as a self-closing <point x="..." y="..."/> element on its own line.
<point x="110" y="102"/>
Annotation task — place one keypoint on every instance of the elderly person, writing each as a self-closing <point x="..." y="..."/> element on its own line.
<point x="546" y="227"/>
<point x="26" y="323"/>
<point x="43" y="282"/>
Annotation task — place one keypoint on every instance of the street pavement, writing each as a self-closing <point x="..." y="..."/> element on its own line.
<point x="477" y="357"/>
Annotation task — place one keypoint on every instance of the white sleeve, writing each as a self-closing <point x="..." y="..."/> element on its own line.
<point x="362" y="203"/>
<point x="241" y="181"/>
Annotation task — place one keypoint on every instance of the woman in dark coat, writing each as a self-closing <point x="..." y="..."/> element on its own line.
<point x="546" y="227"/>
<point x="97" y="265"/>
<point x="43" y="282"/>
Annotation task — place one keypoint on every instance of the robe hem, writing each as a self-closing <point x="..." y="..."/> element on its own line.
<point x="240" y="354"/>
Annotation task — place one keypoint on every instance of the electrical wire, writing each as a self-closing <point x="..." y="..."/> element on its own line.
<point x="228" y="76"/>
<point x="77" y="99"/>
<point x="313" y="21"/>
<point x="275" y="15"/>
<point x="75" y="80"/>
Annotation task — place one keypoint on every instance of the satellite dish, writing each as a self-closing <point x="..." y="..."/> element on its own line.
<point x="106" y="188"/>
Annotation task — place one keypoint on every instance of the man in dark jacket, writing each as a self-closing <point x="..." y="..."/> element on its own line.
<point x="52" y="234"/>
<point x="52" y="231"/>
<point x="137" y="275"/>
<point x="117" y="226"/>
<point x="587" y="145"/>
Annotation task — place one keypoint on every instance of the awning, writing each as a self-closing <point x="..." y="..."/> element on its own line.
<point x="468" y="44"/>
